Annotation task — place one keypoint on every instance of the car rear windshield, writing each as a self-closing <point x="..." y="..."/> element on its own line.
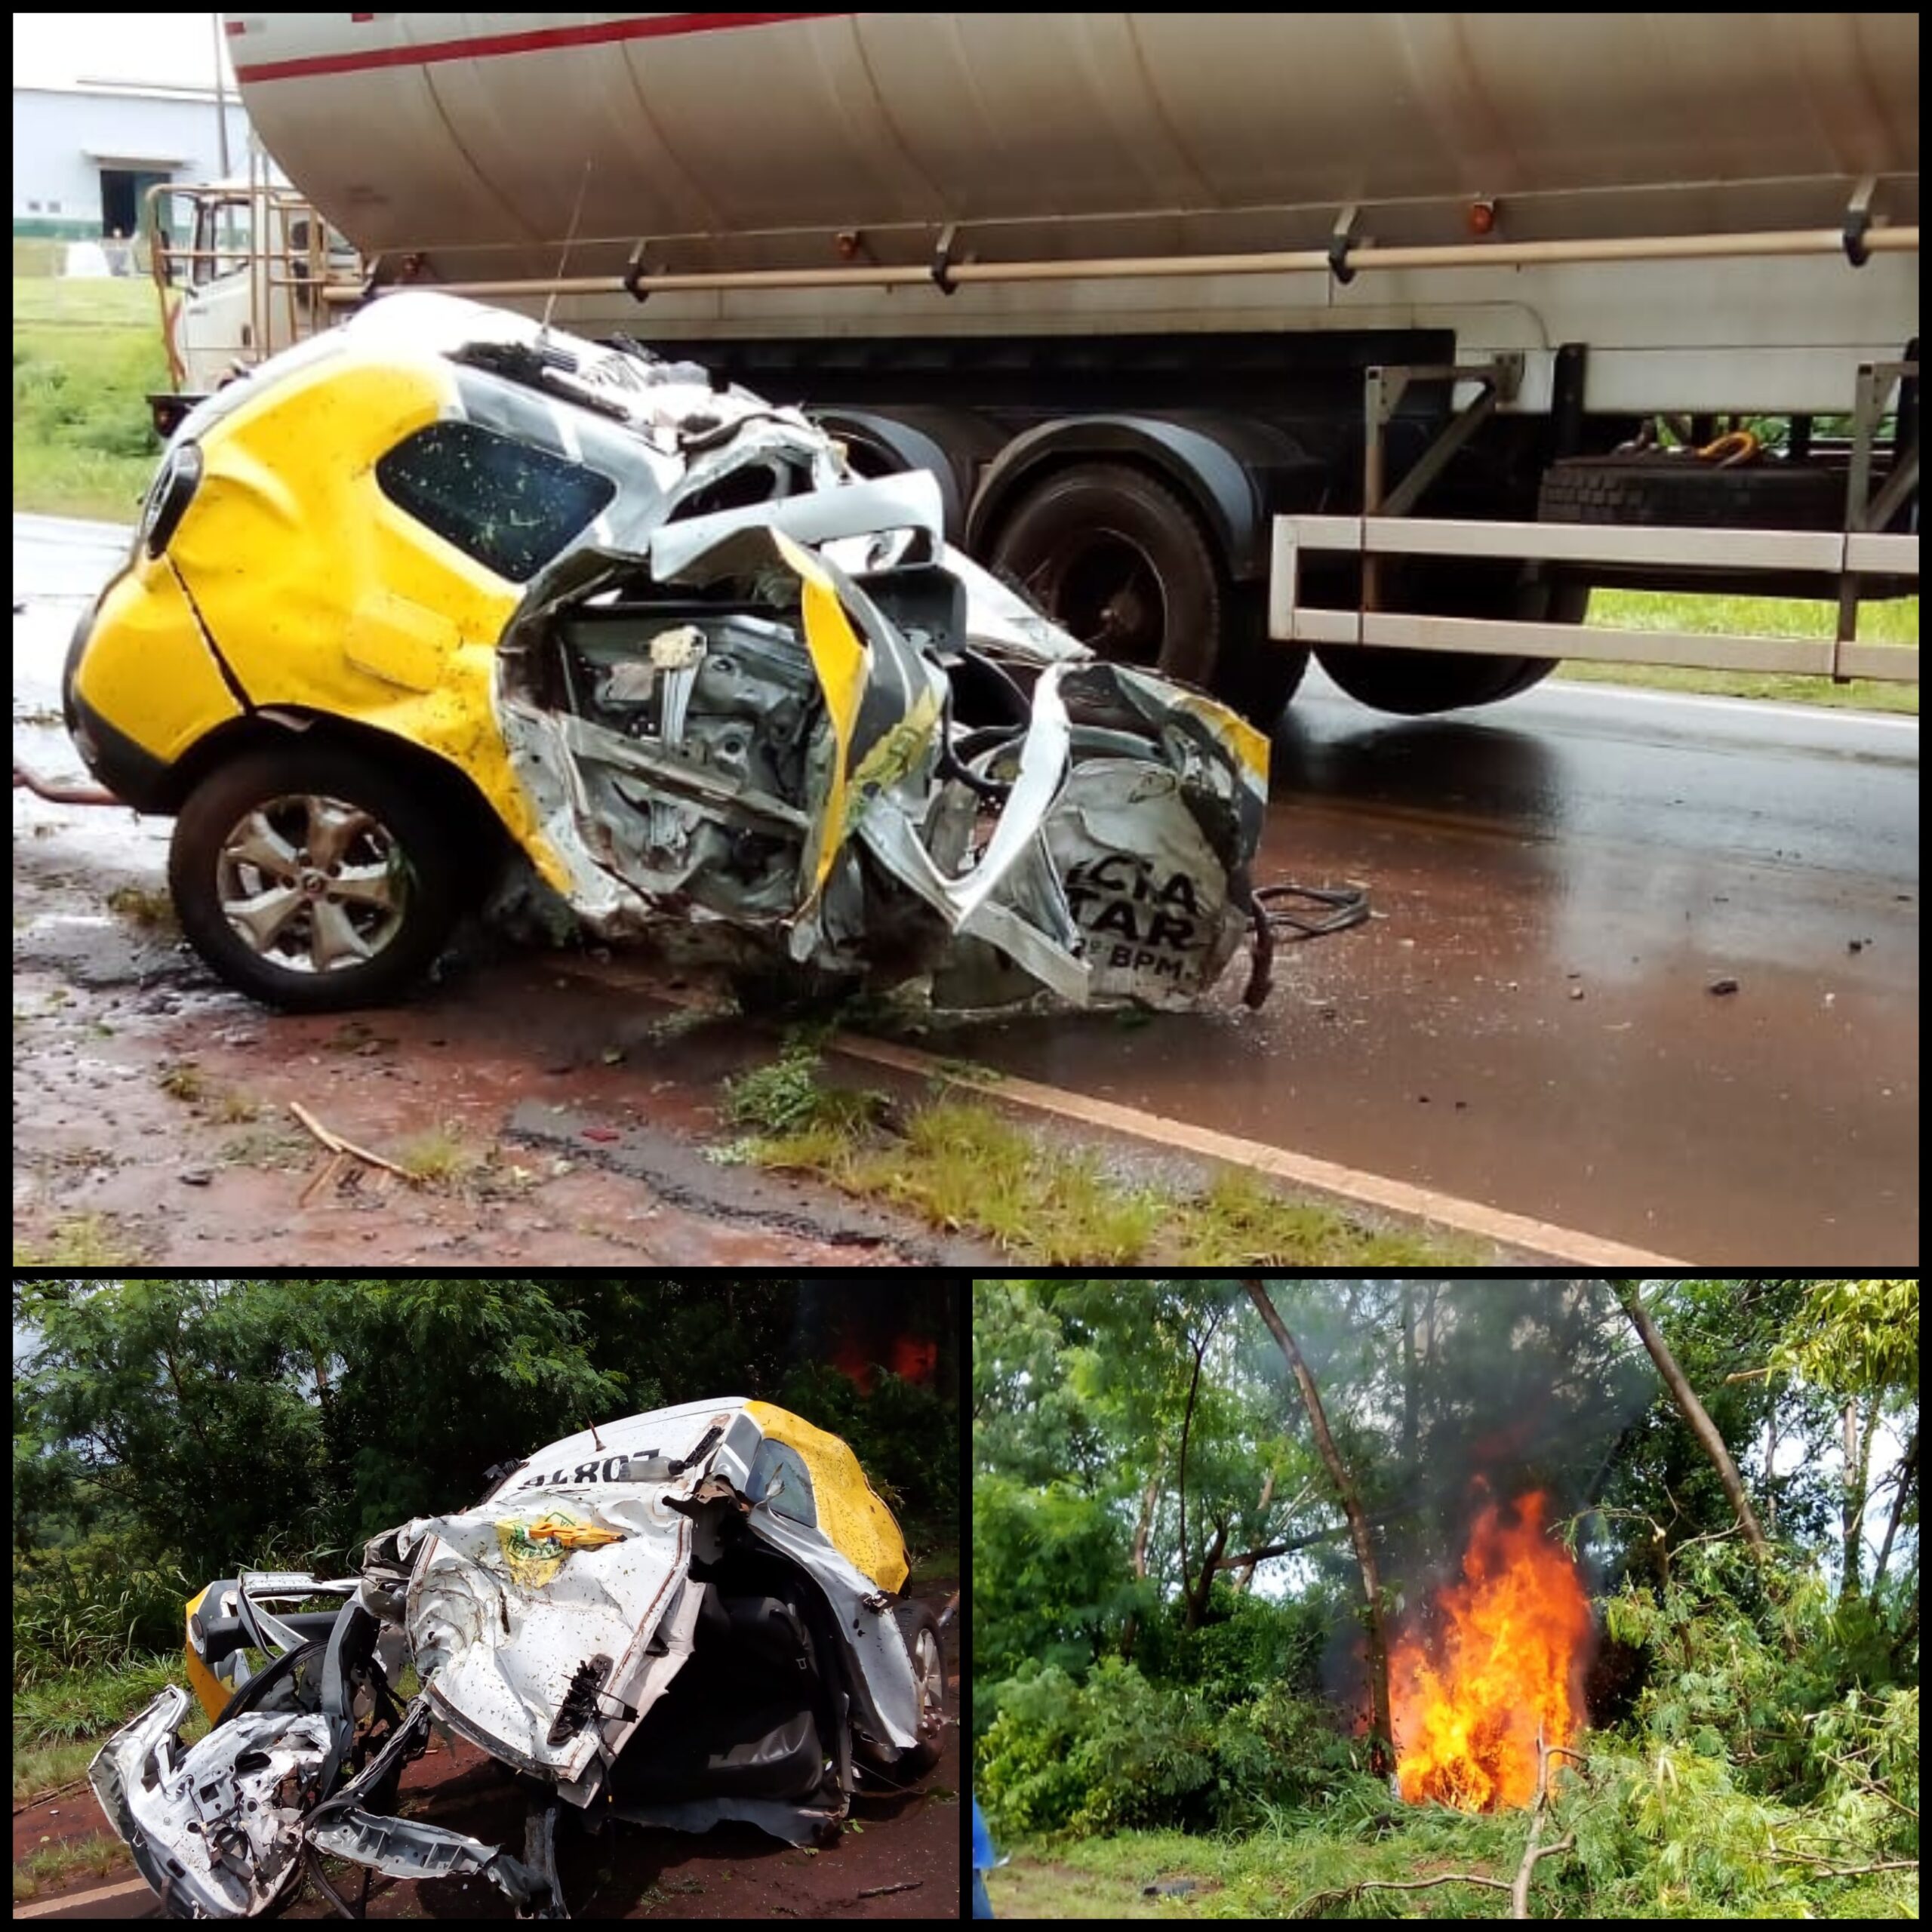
<point x="510" y="506"/>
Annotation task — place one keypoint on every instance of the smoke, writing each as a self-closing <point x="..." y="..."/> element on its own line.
<point x="1453" y="1394"/>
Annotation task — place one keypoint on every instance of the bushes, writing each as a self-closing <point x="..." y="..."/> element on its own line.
<point x="83" y="1608"/>
<point x="1118" y="1752"/>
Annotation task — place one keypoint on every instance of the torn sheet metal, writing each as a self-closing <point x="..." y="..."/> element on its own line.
<point x="685" y="1616"/>
<point x="215" y="1830"/>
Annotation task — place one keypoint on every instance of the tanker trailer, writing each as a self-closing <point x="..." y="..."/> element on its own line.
<point x="1167" y="302"/>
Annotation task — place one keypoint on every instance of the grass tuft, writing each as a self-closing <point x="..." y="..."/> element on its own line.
<point x="79" y="1240"/>
<point x="149" y="907"/>
<point x="53" y="1866"/>
<point x="440" y="1157"/>
<point x="184" y="1080"/>
<point x="964" y="1168"/>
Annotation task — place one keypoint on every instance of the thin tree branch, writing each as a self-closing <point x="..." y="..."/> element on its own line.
<point x="1316" y="1902"/>
<point x="1293" y="1543"/>
<point x="1520" y="1892"/>
<point x="1842" y="1871"/>
<point x="1693" y="1413"/>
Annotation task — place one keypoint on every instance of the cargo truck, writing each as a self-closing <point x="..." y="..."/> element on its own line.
<point x="1226" y="335"/>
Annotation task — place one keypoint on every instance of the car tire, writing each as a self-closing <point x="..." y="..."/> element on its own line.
<point x="353" y="922"/>
<point x="920" y="1628"/>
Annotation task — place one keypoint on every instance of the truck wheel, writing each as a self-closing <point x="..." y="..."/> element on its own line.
<point x="1258" y="676"/>
<point x="1117" y="559"/>
<point x="309" y="877"/>
<point x="1412" y="684"/>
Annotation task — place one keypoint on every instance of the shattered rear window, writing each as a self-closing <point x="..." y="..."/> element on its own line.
<point x="510" y="506"/>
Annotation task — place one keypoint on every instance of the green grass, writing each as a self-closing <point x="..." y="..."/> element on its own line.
<point x="39" y="1768"/>
<point x="86" y="354"/>
<point x="1265" y="1875"/>
<point x="961" y="1167"/>
<point x="53" y="1866"/>
<point x="79" y="1241"/>
<point x="89" y="1703"/>
<point x="1896" y="622"/>
<point x="440" y="1157"/>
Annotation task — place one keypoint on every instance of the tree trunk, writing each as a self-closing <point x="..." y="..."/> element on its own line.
<point x="1197" y="1602"/>
<point x="1150" y="1498"/>
<point x="1187" y="1423"/>
<point x="1381" y="1753"/>
<point x="1859" y="1431"/>
<point x="1908" y="1473"/>
<point x="1247" y="1576"/>
<point x="1408" y="1382"/>
<point x="1700" y="1424"/>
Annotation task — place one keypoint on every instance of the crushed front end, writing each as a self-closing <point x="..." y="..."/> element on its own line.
<point x="686" y="1616"/>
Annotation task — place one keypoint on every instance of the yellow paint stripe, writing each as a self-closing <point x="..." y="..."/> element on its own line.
<point x="76" y="1902"/>
<point x="1399" y="1197"/>
<point x="208" y="1687"/>
<point x="840" y="658"/>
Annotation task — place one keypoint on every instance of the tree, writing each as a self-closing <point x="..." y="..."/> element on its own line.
<point x="1693" y="1410"/>
<point x="1381" y="1750"/>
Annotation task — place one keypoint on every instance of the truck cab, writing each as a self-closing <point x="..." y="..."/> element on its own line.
<point x="243" y="268"/>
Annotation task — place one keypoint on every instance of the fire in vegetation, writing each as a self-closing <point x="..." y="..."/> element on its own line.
<point x="1503" y="1655"/>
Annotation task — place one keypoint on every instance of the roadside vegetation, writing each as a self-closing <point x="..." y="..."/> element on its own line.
<point x="86" y="355"/>
<point x="963" y="1168"/>
<point x="1893" y="622"/>
<point x="1200" y="1504"/>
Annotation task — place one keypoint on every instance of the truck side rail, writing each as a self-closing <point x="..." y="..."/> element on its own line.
<point x="1834" y="553"/>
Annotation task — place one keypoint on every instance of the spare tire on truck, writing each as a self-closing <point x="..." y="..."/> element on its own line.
<point x="1646" y="487"/>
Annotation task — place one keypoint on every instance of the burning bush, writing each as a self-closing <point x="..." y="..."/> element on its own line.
<point x="1497" y="1661"/>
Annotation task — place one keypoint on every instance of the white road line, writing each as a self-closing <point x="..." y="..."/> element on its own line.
<point x="73" y="1900"/>
<point x="1756" y="707"/>
<point x="1380" y="1191"/>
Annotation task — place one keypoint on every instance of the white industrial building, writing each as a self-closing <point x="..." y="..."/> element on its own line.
<point x="84" y="155"/>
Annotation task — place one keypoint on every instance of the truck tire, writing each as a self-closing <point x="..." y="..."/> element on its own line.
<point x="1640" y="487"/>
<point x="353" y="921"/>
<point x="1413" y="684"/>
<point x="1115" y="556"/>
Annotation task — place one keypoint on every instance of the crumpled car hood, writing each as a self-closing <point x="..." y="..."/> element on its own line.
<point x="509" y="1601"/>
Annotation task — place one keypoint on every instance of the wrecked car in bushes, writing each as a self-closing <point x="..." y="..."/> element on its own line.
<point x="444" y="595"/>
<point x="690" y="1616"/>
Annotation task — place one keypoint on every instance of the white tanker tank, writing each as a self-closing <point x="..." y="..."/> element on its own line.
<point x="1130" y="274"/>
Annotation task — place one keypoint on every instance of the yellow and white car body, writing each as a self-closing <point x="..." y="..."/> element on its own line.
<point x="443" y="580"/>
<point x="685" y="1617"/>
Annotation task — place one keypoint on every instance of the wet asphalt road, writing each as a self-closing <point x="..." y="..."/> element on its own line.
<point x="1527" y="1021"/>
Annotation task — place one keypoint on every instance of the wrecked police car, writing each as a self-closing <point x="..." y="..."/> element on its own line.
<point x="443" y="597"/>
<point x="689" y="1615"/>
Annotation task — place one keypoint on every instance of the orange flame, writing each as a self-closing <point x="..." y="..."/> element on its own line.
<point x="1506" y="1658"/>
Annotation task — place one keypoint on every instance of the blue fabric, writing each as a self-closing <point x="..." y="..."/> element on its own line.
<point x="982" y="1905"/>
<point x="983" y="1843"/>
